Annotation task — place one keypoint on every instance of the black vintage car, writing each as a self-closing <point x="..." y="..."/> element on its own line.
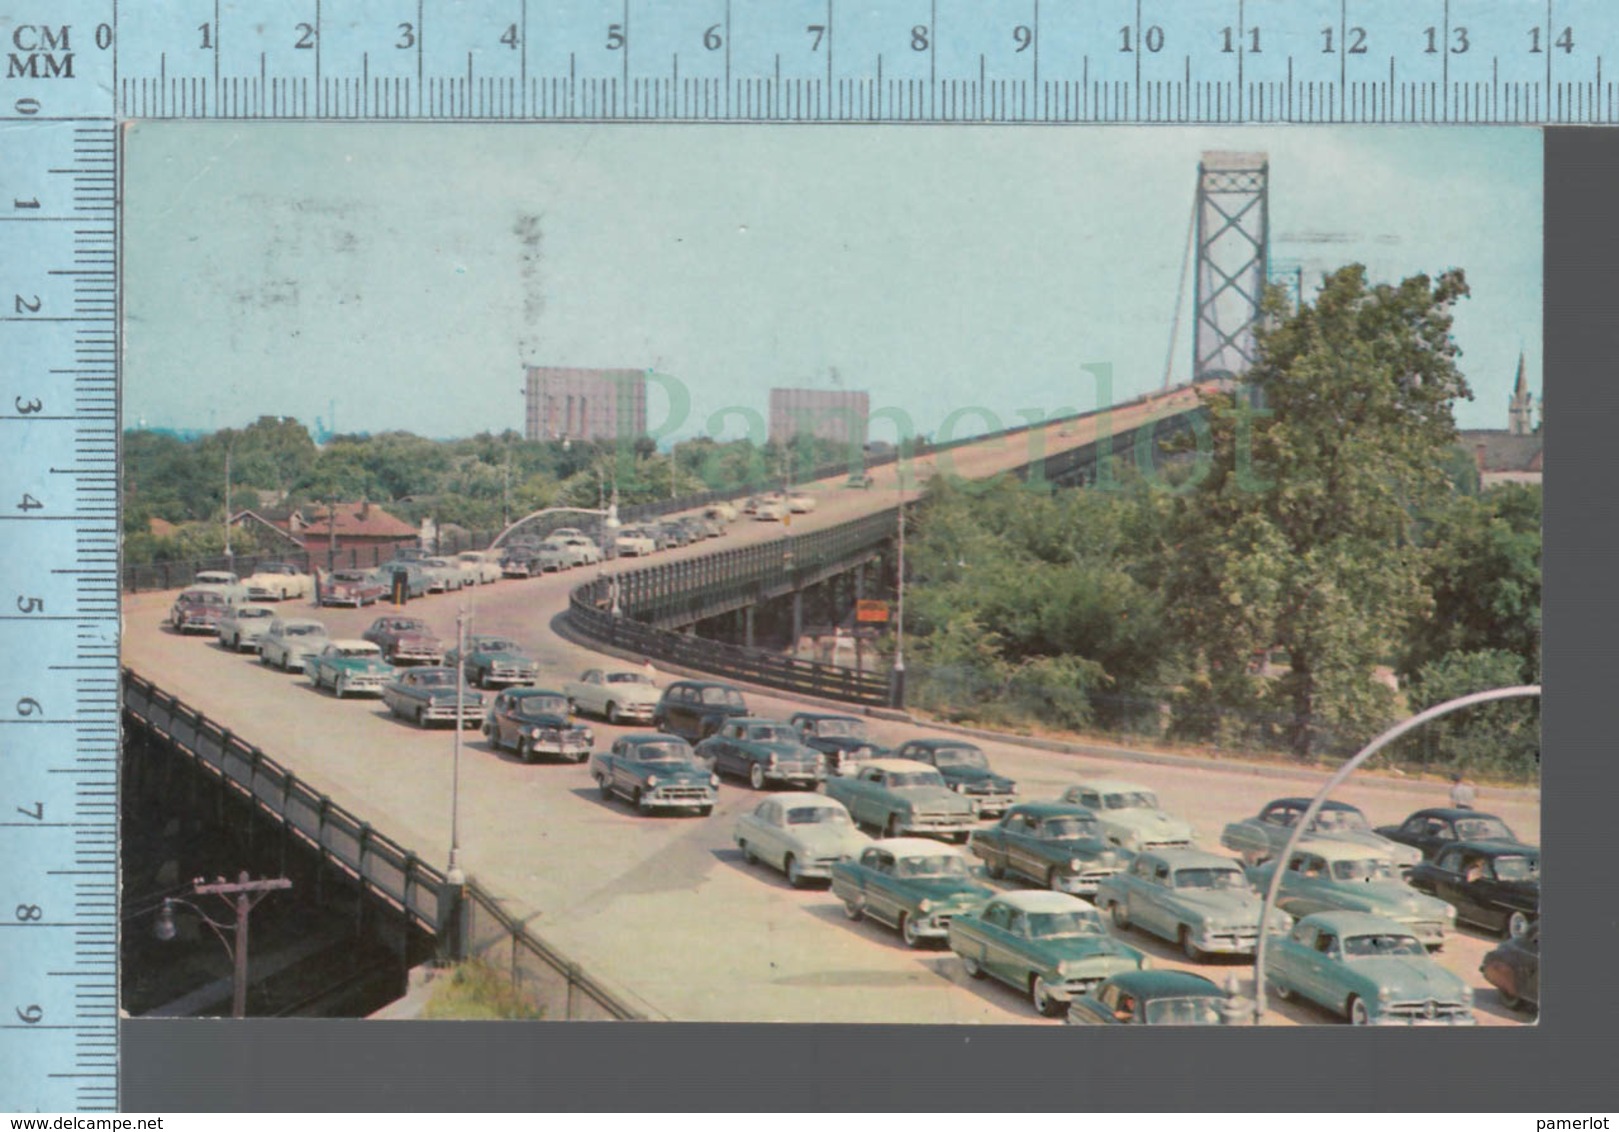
<point x="1431" y="830"/>
<point x="535" y="722"/>
<point x="1494" y="884"/>
<point x="841" y="738"/>
<point x="1513" y="969"/>
<point x="696" y="709"/>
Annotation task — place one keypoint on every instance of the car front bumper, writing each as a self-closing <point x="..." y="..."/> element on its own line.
<point x="680" y="798"/>
<point x="509" y="676"/>
<point x="1083" y="884"/>
<point x="794" y="776"/>
<point x="939" y="826"/>
<point x="990" y="805"/>
<point x="362" y="682"/>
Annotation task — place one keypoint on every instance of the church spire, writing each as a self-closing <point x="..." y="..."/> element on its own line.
<point x="1522" y="405"/>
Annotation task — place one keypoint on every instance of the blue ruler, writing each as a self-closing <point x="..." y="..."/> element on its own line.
<point x="71" y="70"/>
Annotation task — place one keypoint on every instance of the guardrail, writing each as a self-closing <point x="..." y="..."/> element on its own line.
<point x="469" y="917"/>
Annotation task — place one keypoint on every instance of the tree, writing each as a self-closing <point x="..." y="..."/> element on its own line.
<point x="1301" y="535"/>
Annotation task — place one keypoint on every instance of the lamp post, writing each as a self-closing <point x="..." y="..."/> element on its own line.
<point x="244" y="894"/>
<point x="899" y="606"/>
<point x="230" y="559"/>
<point x="1308" y="817"/>
<point x="452" y="872"/>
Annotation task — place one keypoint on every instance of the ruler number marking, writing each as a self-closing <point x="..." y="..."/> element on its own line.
<point x="30" y="604"/>
<point x="28" y="913"/>
<point x="712" y="39"/>
<point x="407" y="37"/>
<point x="817" y="32"/>
<point x="1152" y="39"/>
<point x="28" y="306"/>
<point x="32" y="405"/>
<point x="1565" y="41"/>
<point x="29" y="503"/>
<point x="32" y="1016"/>
<point x="28" y="706"/>
<point x="1229" y="38"/>
<point x="616" y="39"/>
<point x="306" y="37"/>
<point x="510" y="37"/>
<point x="1460" y="47"/>
<point x="1023" y="36"/>
<point x="207" y="37"/>
<point x="32" y="202"/>
<point x="37" y="813"/>
<point x="1354" y="37"/>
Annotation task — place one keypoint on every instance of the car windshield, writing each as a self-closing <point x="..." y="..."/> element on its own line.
<point x="1339" y="821"/>
<point x="768" y="733"/>
<point x="1483" y="829"/>
<point x="304" y="631"/>
<point x="1131" y="800"/>
<point x="1517" y="868"/>
<point x="211" y="579"/>
<point x="1059" y="925"/>
<point x="497" y="644"/>
<point x="551" y="545"/>
<point x="1366" y="868"/>
<point x="204" y="597"/>
<point x="1210" y="878"/>
<point x="840" y="729"/>
<point x="1197" y="1010"/>
<point x="960" y="756"/>
<point x="356" y="650"/>
<point x="915" y="778"/>
<point x="544" y="705"/>
<point x="660" y="753"/>
<point x="435" y="678"/>
<point x="348" y="576"/>
<point x="253" y="614"/>
<point x="730" y="697"/>
<point x="816" y="815"/>
<point x="1381" y="945"/>
<point x="470" y="556"/>
<point x="941" y="865"/>
<point x="628" y="678"/>
<point x="1067" y="829"/>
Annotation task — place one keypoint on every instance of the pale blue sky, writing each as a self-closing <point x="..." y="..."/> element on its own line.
<point x="276" y="268"/>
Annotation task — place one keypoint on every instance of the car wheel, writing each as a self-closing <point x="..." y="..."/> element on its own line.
<point x="264" y="660"/>
<point x="995" y="869"/>
<point x="612" y="715"/>
<point x="421" y="718"/>
<point x="641" y="802"/>
<point x="525" y="753"/>
<point x="1121" y="915"/>
<point x="853" y="908"/>
<point x="340" y="687"/>
<point x="1517" y="925"/>
<point x="975" y="969"/>
<point x="1359" y="1015"/>
<point x="606" y="788"/>
<point x="892" y="828"/>
<point x="756" y="776"/>
<point x="1189" y="947"/>
<point x="747" y="853"/>
<point x="1040" y="995"/>
<point x="704" y="811"/>
<point x="284" y="667"/>
<point x="908" y="932"/>
<point x="1283" y="991"/>
<point x="1053" y="880"/>
<point x="790" y="867"/>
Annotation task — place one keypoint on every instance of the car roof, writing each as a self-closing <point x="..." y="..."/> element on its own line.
<point x="652" y="737"/>
<point x="1112" y="786"/>
<point x="353" y="643"/>
<point x="1332" y="849"/>
<point x="755" y="719"/>
<point x="1494" y="847"/>
<point x="1161" y="983"/>
<point x="1051" y="809"/>
<point x="1301" y="803"/>
<point x="704" y="684"/>
<point x="532" y="691"/>
<point x="1040" y="900"/>
<point x="288" y="622"/>
<point x="1190" y="858"/>
<point x="820" y="801"/>
<point x="935" y="744"/>
<point x="1450" y="813"/>
<point x="910" y="846"/>
<point x="820" y="715"/>
<point x="253" y="606"/>
<point x="907" y="765"/>
<point x="1356" y="923"/>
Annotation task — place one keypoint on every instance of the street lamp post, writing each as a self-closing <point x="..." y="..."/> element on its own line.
<point x="899" y="608"/>
<point x="230" y="559"/>
<point x="452" y="872"/>
<point x="246" y="893"/>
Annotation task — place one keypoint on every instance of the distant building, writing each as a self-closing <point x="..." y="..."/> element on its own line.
<point x="365" y="533"/>
<point x="1516" y="453"/>
<point x="827" y="414"/>
<point x="584" y="404"/>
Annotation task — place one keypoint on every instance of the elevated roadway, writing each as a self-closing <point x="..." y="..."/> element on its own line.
<point x="663" y="909"/>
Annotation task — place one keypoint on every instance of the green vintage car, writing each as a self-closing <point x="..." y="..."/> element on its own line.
<point x="1052" y="844"/>
<point x="1049" y="945"/>
<point x="1340" y="876"/>
<point x="1203" y="902"/>
<point x="901" y="797"/>
<point x="495" y="662"/>
<point x="1129" y="815"/>
<point x="1370" y="969"/>
<point x="910" y="883"/>
<point x="349" y="666"/>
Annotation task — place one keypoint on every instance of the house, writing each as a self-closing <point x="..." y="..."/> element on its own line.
<point x="1516" y="453"/>
<point x="349" y="533"/>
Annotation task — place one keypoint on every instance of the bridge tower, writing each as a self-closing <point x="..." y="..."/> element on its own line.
<point x="1233" y="252"/>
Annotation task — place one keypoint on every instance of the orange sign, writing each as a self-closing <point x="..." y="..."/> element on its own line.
<point x="871" y="611"/>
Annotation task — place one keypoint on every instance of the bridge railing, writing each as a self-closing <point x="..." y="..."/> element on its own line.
<point x="381" y="866"/>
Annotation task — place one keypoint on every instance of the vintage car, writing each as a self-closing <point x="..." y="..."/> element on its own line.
<point x="551" y="555"/>
<point x="1129" y="815"/>
<point x="289" y="642"/>
<point x="564" y="533"/>
<point x="534" y="722"/>
<point x="655" y="772"/>
<point x="618" y="694"/>
<point x="241" y="626"/>
<point x="198" y="609"/>
<point x="1202" y="902"/>
<point x="1513" y="969"/>
<point x="859" y="479"/>
<point x="444" y="575"/>
<point x="899" y="797"/>
<point x="841" y="738"/>
<point x="278" y="581"/>
<point x="347" y="666"/>
<point x="803" y="837"/>
<point x="225" y="581"/>
<point x="480" y="566"/>
<point x="358" y="588"/>
<point x="494" y="662"/>
<point x="1370" y="969"/>
<point x="581" y="551"/>
<point x="1051" y="946"/>
<point x="1494" y="884"/>
<point x="1152" y="998"/>
<point x="634" y="542"/>
<point x="1052" y="844"/>
<point x="966" y="771"/>
<point x="1260" y="838"/>
<point x="911" y="884"/>
<point x="1429" y="831"/>
<point x="417" y="580"/>
<point x="763" y="751"/>
<point x="722" y="511"/>
<point x="405" y="640"/>
<point x="1325" y="876"/>
<point x="430" y="695"/>
<point x="522" y="562"/>
<point x="696" y="709"/>
<point x="800" y="503"/>
<point x="770" y="511"/>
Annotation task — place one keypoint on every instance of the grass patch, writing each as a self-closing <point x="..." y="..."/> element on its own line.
<point x="478" y="992"/>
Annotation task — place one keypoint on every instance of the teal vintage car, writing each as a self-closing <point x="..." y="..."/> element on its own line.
<point x="349" y="666"/>
<point x="495" y="662"/>
<point x="1370" y="969"/>
<point x="1048" y="945"/>
<point x="901" y="797"/>
<point x="1340" y="876"/>
<point x="1204" y="903"/>
<point x="1154" y="998"/>
<point x="1052" y="844"/>
<point x="912" y="884"/>
<point x="1261" y="837"/>
<point x="1129" y="815"/>
<point x="965" y="770"/>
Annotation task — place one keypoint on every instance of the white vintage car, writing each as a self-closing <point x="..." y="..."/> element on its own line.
<point x="620" y="695"/>
<point x="223" y="582"/>
<point x="800" y="503"/>
<point x="634" y="541"/>
<point x="278" y="581"/>
<point x="1130" y="816"/>
<point x="770" y="511"/>
<point x="480" y="566"/>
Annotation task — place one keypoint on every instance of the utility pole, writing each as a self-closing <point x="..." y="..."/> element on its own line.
<point x="453" y="873"/>
<point x="246" y="893"/>
<point x="331" y="533"/>
<point x="229" y="558"/>
<point x="899" y="610"/>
